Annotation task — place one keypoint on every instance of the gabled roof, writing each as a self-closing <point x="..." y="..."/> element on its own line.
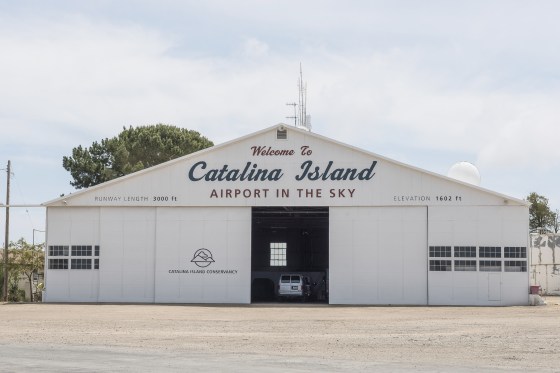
<point x="67" y="198"/>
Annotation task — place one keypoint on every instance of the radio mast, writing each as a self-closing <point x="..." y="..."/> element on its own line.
<point x="300" y="117"/>
<point x="294" y="117"/>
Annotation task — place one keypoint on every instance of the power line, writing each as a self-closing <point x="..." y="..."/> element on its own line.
<point x="24" y="201"/>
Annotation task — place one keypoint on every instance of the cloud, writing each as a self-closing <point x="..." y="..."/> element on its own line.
<point x="84" y="80"/>
<point x="255" y="48"/>
<point x="81" y="75"/>
<point x="425" y="85"/>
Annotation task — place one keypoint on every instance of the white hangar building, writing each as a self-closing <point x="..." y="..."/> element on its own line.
<point x="222" y="224"/>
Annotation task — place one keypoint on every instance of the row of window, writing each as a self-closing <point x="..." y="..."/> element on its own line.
<point x="77" y="250"/>
<point x="74" y="263"/>
<point x="483" y="252"/>
<point x="483" y="265"/>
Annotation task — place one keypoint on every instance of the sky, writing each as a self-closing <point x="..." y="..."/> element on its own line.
<point x="426" y="83"/>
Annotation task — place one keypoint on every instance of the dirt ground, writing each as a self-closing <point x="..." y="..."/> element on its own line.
<point x="301" y="337"/>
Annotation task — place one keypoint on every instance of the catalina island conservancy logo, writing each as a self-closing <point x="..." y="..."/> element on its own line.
<point x="202" y="258"/>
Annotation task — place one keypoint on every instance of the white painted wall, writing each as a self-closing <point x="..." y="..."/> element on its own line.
<point x="390" y="183"/>
<point x="226" y="232"/>
<point x="79" y="226"/>
<point x="378" y="255"/>
<point x="478" y="226"/>
<point x="127" y="252"/>
<point x="140" y="245"/>
<point x="152" y="222"/>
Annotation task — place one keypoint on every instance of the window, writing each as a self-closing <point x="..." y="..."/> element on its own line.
<point x="58" y="250"/>
<point x="515" y="252"/>
<point x="515" y="266"/>
<point x="465" y="251"/>
<point x="440" y="251"/>
<point x="81" y="264"/>
<point x="440" y="265"/>
<point x="58" y="263"/>
<point x="490" y="266"/>
<point x="38" y="276"/>
<point x="465" y="265"/>
<point x="74" y="250"/>
<point x="278" y="254"/>
<point x="81" y="250"/>
<point x="281" y="134"/>
<point x="489" y="252"/>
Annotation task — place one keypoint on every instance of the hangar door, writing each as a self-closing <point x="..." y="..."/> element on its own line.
<point x="289" y="240"/>
<point x="378" y="255"/>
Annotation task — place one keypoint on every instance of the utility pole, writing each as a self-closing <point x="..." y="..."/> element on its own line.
<point x="34" y="281"/>
<point x="6" y="237"/>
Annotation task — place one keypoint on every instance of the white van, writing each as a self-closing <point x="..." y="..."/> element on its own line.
<point x="294" y="286"/>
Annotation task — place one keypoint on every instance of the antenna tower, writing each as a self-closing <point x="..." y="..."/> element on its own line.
<point x="294" y="117"/>
<point x="300" y="117"/>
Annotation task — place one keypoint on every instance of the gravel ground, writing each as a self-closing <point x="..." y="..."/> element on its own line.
<point x="278" y="337"/>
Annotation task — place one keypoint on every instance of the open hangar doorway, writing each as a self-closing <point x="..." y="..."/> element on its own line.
<point x="289" y="240"/>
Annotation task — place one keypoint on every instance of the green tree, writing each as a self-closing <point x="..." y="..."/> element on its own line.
<point x="540" y="214"/>
<point x="25" y="260"/>
<point x="131" y="150"/>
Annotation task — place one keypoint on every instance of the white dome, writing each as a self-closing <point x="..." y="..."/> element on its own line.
<point x="466" y="172"/>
